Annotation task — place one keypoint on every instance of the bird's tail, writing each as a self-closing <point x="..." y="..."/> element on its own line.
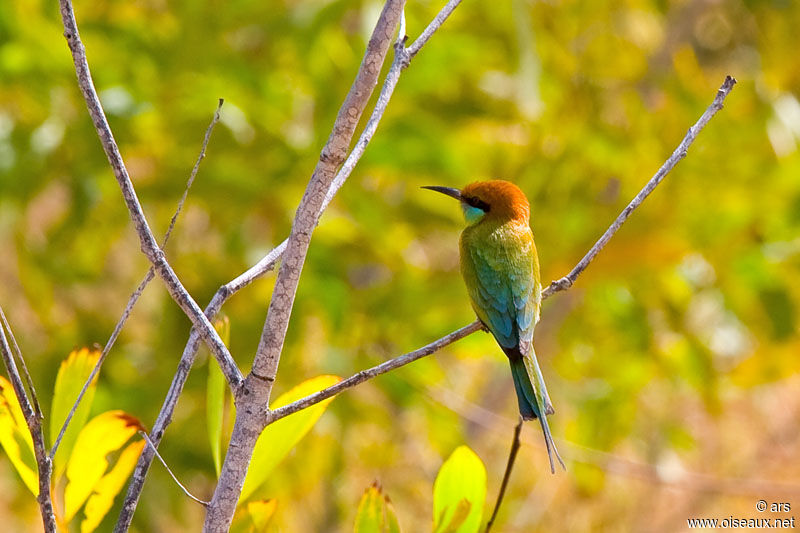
<point x="526" y="397"/>
<point x="531" y="404"/>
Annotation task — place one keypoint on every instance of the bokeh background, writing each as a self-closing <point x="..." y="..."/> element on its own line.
<point x="672" y="363"/>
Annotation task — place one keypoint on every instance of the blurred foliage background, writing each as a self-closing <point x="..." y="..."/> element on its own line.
<point x="671" y="363"/>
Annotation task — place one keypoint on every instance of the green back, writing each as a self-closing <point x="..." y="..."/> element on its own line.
<point x="501" y="270"/>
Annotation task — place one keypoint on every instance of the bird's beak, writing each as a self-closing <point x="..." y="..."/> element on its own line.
<point x="449" y="191"/>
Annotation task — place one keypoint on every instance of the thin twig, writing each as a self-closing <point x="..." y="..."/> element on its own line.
<point x="28" y="380"/>
<point x="373" y="372"/>
<point x="147" y="241"/>
<point x="679" y="153"/>
<point x="34" y="423"/>
<point x="140" y="289"/>
<point x="512" y="455"/>
<point x="169" y="470"/>
<point x="193" y="174"/>
<point x="435" y="24"/>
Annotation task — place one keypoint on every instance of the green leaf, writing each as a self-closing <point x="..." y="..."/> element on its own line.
<point x="72" y="374"/>
<point x="459" y="493"/>
<point x="16" y="438"/>
<point x="279" y="438"/>
<point x="87" y="465"/>
<point x="375" y="513"/>
<point x="215" y="396"/>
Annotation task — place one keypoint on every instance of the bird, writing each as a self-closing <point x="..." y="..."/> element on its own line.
<point x="500" y="268"/>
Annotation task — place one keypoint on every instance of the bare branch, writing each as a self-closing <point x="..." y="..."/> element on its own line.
<point x="375" y="371"/>
<point x="333" y="155"/>
<point x="193" y="174"/>
<point x="34" y="423"/>
<point x="263" y="266"/>
<point x="147" y="241"/>
<point x="169" y="470"/>
<point x="140" y="289"/>
<point x="258" y="385"/>
<point x="679" y="153"/>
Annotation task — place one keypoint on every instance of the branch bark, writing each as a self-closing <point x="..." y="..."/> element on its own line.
<point x="255" y="393"/>
<point x="33" y="419"/>
<point x="364" y="375"/>
<point x="147" y="241"/>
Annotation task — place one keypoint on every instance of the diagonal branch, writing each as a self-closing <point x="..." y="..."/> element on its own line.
<point x="554" y="287"/>
<point x="140" y="289"/>
<point x="679" y="153"/>
<point x="265" y="364"/>
<point x="375" y="371"/>
<point x="34" y="422"/>
<point x="147" y="241"/>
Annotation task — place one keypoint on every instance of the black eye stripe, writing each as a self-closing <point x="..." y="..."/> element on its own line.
<point x="474" y="201"/>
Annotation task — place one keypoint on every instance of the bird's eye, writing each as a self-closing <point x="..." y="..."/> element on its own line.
<point x="474" y="201"/>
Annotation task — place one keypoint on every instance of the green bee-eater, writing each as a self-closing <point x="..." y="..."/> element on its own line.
<point x="501" y="270"/>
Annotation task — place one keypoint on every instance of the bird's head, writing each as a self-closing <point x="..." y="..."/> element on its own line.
<point x="495" y="199"/>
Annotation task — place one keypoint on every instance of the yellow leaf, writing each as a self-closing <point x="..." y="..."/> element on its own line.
<point x="103" y="434"/>
<point x="72" y="374"/>
<point x="261" y="512"/>
<point x="99" y="503"/>
<point x="16" y="438"/>
<point x="280" y="437"/>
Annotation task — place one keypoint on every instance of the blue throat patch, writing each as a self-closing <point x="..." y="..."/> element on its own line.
<point x="472" y="214"/>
